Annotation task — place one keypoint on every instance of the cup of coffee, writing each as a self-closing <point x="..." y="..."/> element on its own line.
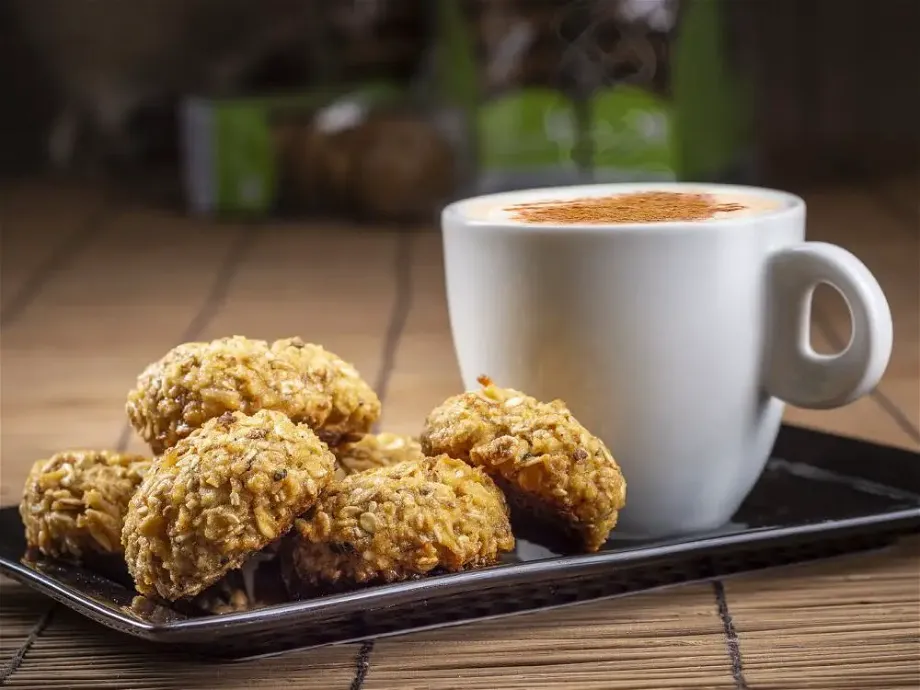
<point x="673" y="319"/>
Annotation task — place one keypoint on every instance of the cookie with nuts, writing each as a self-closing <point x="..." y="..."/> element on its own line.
<point x="219" y="496"/>
<point x="74" y="503"/>
<point x="400" y="522"/>
<point x="560" y="479"/>
<point x="198" y="381"/>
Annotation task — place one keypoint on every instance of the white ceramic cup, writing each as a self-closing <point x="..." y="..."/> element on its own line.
<point x="677" y="343"/>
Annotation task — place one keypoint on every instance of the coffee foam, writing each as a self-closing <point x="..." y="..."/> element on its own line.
<point x="500" y="209"/>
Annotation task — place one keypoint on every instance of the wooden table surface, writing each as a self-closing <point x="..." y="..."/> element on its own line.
<point x="95" y="286"/>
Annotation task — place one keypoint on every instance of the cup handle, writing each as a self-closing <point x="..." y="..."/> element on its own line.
<point x="795" y="373"/>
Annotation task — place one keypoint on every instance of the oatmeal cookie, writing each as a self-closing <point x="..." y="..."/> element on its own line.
<point x="399" y="522"/>
<point x="551" y="468"/>
<point x="74" y="502"/>
<point x="196" y="382"/>
<point x="217" y="497"/>
<point x="376" y="450"/>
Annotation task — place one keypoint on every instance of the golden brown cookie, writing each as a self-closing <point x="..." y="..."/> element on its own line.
<point x="400" y="522"/>
<point x="550" y="467"/>
<point x="217" y="497"/>
<point x="196" y="382"/>
<point x="74" y="502"/>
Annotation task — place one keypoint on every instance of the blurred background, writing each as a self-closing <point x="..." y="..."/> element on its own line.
<point x="381" y="110"/>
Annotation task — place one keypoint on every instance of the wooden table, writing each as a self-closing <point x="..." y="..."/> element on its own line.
<point x="94" y="287"/>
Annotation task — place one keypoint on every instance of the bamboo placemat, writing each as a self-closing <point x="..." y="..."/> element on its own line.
<point x="113" y="286"/>
<point x="850" y="623"/>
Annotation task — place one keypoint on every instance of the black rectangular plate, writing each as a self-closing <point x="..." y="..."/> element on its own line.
<point x="820" y="496"/>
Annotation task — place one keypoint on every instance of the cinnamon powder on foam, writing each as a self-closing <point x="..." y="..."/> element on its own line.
<point x="639" y="207"/>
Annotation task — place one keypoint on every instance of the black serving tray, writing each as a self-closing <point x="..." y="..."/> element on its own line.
<point x="820" y="496"/>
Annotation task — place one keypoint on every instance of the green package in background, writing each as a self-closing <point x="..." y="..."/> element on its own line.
<point x="697" y="130"/>
<point x="688" y="120"/>
<point x="522" y="130"/>
<point x="231" y="161"/>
